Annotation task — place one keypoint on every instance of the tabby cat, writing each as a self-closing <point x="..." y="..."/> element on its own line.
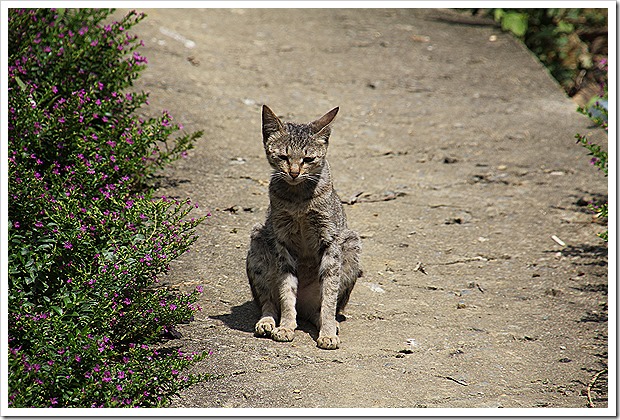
<point x="303" y="260"/>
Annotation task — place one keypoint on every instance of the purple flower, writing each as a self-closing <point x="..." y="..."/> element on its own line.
<point x="54" y="400"/>
<point x="68" y="245"/>
<point x="121" y="375"/>
<point x="139" y="58"/>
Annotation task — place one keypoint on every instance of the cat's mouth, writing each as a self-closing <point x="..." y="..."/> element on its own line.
<point x="294" y="181"/>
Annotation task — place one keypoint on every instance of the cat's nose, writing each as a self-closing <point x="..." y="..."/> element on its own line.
<point x="294" y="171"/>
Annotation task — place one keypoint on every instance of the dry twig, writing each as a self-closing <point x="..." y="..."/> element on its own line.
<point x="419" y="267"/>
<point x="458" y="381"/>
<point x="591" y="384"/>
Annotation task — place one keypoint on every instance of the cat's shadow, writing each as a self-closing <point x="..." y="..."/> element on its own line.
<point x="243" y="318"/>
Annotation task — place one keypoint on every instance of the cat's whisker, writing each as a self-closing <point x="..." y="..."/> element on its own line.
<point x="276" y="176"/>
<point x="314" y="178"/>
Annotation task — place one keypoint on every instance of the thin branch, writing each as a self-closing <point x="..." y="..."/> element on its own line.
<point x="591" y="384"/>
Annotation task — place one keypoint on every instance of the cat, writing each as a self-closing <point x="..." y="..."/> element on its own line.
<point x="303" y="259"/>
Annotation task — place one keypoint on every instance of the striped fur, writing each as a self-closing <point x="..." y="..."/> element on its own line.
<point x="303" y="261"/>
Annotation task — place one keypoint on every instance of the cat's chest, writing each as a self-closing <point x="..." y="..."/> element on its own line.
<point x="302" y="232"/>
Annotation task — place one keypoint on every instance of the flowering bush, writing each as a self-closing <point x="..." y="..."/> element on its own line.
<point x="86" y="238"/>
<point x="598" y="113"/>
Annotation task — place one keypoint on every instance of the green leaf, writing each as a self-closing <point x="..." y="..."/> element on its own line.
<point x="21" y="84"/>
<point x="566" y="27"/>
<point x="515" y="23"/>
<point x="56" y="309"/>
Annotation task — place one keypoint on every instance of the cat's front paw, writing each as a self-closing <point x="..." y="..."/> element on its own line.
<point x="283" y="334"/>
<point x="327" y="342"/>
<point x="264" y="327"/>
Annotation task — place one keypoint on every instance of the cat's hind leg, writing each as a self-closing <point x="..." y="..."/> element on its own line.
<point x="351" y="269"/>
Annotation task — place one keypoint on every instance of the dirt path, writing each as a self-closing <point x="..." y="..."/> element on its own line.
<point x="460" y="150"/>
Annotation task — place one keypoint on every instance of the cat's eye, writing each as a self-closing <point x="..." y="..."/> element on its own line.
<point x="283" y="157"/>
<point x="309" y="159"/>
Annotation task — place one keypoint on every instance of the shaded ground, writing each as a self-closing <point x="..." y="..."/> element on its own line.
<point x="460" y="151"/>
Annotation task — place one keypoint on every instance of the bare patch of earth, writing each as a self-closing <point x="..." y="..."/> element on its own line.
<point x="455" y="150"/>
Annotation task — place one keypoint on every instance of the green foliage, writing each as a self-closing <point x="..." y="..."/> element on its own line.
<point x="514" y="22"/>
<point x="559" y="38"/>
<point x="86" y="238"/>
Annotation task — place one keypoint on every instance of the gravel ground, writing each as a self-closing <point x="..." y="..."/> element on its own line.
<point x="455" y="151"/>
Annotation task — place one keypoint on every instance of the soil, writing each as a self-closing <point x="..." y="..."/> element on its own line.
<point x="455" y="153"/>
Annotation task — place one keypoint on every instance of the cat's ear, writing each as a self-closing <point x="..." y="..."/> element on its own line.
<point x="324" y="121"/>
<point x="321" y="127"/>
<point x="271" y="123"/>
